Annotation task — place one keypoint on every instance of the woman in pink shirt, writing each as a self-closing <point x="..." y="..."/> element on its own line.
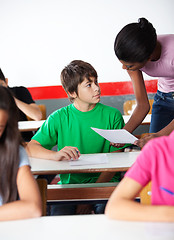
<point x="155" y="164"/>
<point x="139" y="50"/>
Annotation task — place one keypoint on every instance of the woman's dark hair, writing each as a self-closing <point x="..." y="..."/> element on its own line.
<point x="136" y="41"/>
<point x="9" y="148"/>
<point x="74" y="74"/>
<point x="2" y="77"/>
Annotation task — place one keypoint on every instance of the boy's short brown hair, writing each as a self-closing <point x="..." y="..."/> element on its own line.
<point x="74" y="74"/>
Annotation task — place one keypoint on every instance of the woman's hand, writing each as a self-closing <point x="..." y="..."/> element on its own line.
<point x="142" y="141"/>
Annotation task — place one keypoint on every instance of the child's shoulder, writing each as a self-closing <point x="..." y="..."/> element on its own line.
<point x="109" y="108"/>
<point x="62" y="111"/>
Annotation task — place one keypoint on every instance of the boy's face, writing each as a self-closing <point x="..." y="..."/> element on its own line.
<point x="88" y="94"/>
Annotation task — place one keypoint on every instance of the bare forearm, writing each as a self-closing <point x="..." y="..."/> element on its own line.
<point x="167" y="130"/>
<point x="164" y="132"/>
<point x="143" y="106"/>
<point x="37" y="151"/>
<point x="136" y="118"/>
<point x="31" y="110"/>
<point x="19" y="210"/>
<point x="132" y="211"/>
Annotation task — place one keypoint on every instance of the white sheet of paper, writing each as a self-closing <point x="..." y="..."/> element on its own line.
<point x="117" y="135"/>
<point x="90" y="160"/>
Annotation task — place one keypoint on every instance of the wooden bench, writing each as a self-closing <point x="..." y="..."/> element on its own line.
<point x="79" y="192"/>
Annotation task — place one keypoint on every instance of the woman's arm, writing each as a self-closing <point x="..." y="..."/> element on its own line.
<point x="35" y="149"/>
<point x="163" y="132"/>
<point x="142" y="107"/>
<point x="29" y="205"/>
<point x="121" y="205"/>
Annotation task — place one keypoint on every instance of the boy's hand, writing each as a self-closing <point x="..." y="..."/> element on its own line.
<point x="67" y="153"/>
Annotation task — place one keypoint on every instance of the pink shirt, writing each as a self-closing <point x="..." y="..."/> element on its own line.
<point x="156" y="163"/>
<point x="164" y="67"/>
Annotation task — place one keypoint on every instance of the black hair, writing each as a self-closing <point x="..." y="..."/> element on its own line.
<point x="9" y="147"/>
<point x="136" y="41"/>
<point x="74" y="74"/>
<point x="2" y="77"/>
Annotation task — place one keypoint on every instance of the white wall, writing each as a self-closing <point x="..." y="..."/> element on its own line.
<point x="39" y="37"/>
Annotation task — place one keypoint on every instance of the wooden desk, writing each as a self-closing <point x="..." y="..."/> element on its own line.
<point x="147" y="119"/>
<point x="25" y="126"/>
<point x="84" y="227"/>
<point x="120" y="161"/>
<point x="117" y="162"/>
<point x="93" y="191"/>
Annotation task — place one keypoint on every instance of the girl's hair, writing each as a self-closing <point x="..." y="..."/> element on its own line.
<point x="74" y="74"/>
<point x="2" y="77"/>
<point x="136" y="41"/>
<point x="9" y="148"/>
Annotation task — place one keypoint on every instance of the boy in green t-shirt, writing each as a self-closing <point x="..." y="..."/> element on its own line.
<point x="70" y="127"/>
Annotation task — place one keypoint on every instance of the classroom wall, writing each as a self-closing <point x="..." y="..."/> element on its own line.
<point x="39" y="37"/>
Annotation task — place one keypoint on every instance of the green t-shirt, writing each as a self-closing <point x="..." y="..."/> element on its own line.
<point x="70" y="127"/>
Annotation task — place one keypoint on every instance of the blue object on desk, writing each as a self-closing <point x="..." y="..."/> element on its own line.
<point x="166" y="190"/>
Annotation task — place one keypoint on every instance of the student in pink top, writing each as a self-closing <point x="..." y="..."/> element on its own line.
<point x="139" y="49"/>
<point x="155" y="164"/>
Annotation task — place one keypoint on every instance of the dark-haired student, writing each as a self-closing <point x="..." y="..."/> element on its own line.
<point x="140" y="49"/>
<point x="25" y="104"/>
<point x="19" y="193"/>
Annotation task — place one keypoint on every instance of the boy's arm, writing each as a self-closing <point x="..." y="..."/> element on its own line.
<point x="35" y="149"/>
<point x="121" y="205"/>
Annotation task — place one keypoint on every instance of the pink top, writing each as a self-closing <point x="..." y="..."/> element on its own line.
<point x="156" y="163"/>
<point x="164" y="67"/>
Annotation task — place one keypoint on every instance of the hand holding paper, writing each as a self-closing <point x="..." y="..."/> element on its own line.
<point x="116" y="135"/>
